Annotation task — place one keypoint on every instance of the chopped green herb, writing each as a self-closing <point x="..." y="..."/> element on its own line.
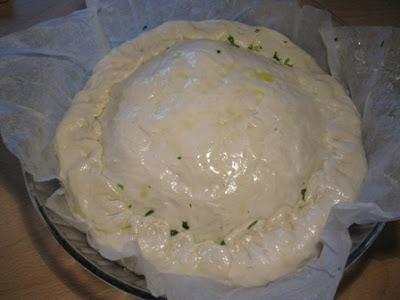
<point x="130" y="206"/>
<point x="185" y="225"/>
<point x="276" y="57"/>
<point x="150" y="212"/>
<point x="252" y="224"/>
<point x="382" y="43"/>
<point x="335" y="39"/>
<point x="254" y="47"/>
<point x="173" y="232"/>
<point x="120" y="187"/>
<point x="149" y="186"/>
<point x="285" y="62"/>
<point x="285" y="42"/>
<point x="303" y="193"/>
<point x="222" y="243"/>
<point x="231" y="41"/>
<point x="144" y="27"/>
<point x="190" y="205"/>
<point x="179" y="157"/>
<point x="218" y="51"/>
<point x="257" y="30"/>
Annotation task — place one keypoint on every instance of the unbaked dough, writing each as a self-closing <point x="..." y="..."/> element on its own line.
<point x="218" y="147"/>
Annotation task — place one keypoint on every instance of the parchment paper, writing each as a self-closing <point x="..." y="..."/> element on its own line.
<point x="43" y="67"/>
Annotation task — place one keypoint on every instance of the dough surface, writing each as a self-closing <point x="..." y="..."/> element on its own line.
<point x="219" y="147"/>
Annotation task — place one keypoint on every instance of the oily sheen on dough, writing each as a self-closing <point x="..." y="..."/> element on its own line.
<point x="218" y="147"/>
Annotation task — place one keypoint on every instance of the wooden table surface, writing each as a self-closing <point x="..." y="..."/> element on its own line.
<point x="32" y="263"/>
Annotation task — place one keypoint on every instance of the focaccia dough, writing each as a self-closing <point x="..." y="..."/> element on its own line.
<point x="219" y="147"/>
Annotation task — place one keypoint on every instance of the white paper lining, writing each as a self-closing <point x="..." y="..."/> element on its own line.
<point x="43" y="67"/>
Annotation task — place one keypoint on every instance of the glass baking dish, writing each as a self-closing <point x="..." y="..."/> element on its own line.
<point x="75" y="243"/>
